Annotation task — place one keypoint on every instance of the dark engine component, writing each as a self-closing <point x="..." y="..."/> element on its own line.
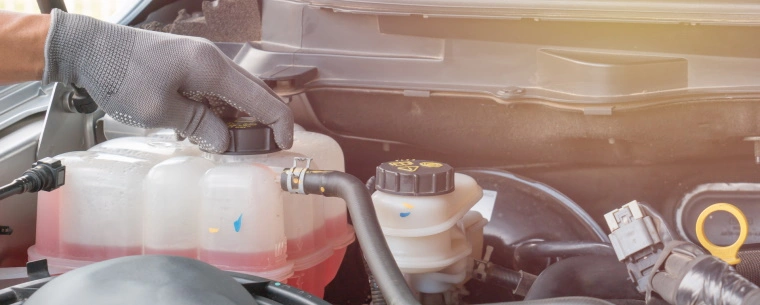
<point x="528" y="211"/>
<point x="593" y="276"/>
<point x="154" y="279"/>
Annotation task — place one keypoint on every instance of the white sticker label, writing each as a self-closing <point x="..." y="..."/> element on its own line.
<point x="485" y="205"/>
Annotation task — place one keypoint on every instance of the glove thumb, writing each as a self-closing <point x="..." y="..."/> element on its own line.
<point x="203" y="127"/>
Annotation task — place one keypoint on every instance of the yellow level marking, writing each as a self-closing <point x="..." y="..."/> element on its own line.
<point x="728" y="254"/>
<point x="213" y="230"/>
<point x="407" y="205"/>
<point x="408" y="168"/>
<point x="431" y="164"/>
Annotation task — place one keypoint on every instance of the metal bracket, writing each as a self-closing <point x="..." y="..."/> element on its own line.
<point x="37" y="270"/>
<point x="65" y="131"/>
<point x="296" y="174"/>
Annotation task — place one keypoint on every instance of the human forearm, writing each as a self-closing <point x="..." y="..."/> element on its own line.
<point x="22" y="46"/>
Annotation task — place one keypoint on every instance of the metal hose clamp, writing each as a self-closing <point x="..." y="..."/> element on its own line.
<point x="296" y="174"/>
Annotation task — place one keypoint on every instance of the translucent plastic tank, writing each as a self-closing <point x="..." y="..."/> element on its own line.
<point x="303" y="216"/>
<point x="421" y="206"/>
<point x="171" y="206"/>
<point x="101" y="215"/>
<point x="242" y="222"/>
<point x="154" y="195"/>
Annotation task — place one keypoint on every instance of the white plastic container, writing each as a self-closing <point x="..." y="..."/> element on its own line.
<point x="304" y="221"/>
<point x="97" y="215"/>
<point x="171" y="206"/>
<point x="420" y="206"/>
<point x="242" y="224"/>
<point x="154" y="195"/>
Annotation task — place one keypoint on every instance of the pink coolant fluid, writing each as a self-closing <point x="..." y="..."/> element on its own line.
<point x="304" y="253"/>
<point x="48" y="216"/>
<point x="321" y="269"/>
<point x="337" y="227"/>
<point x="341" y="237"/>
<point x="95" y="253"/>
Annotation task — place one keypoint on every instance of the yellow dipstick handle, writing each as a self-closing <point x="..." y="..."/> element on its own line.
<point x="728" y="253"/>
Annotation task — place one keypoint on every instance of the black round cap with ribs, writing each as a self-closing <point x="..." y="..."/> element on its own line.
<point x="415" y="178"/>
<point x="248" y="137"/>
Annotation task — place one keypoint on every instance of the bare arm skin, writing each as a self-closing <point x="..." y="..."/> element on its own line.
<point x="22" y="46"/>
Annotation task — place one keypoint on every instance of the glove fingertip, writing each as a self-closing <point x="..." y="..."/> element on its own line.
<point x="283" y="132"/>
<point x="212" y="135"/>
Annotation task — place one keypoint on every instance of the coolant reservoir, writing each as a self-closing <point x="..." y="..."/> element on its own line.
<point x="97" y="214"/>
<point x="225" y="209"/>
<point x="421" y="207"/>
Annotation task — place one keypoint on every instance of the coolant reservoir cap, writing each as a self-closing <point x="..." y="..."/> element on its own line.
<point x="415" y="178"/>
<point x="248" y="137"/>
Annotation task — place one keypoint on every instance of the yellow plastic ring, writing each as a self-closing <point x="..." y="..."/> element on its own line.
<point x="728" y="253"/>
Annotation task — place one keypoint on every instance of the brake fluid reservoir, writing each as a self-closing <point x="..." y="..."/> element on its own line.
<point x="420" y="206"/>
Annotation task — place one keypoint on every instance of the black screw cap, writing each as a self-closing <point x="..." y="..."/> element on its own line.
<point x="415" y="178"/>
<point x="248" y="137"/>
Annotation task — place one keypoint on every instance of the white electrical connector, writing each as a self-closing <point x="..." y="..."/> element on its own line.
<point x="635" y="239"/>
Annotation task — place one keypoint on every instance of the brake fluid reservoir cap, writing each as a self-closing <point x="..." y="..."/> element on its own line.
<point x="415" y="178"/>
<point x="248" y="137"/>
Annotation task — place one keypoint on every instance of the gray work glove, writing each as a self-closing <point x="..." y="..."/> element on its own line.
<point x="158" y="80"/>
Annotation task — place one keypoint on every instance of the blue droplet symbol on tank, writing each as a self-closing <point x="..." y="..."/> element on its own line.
<point x="238" y="223"/>
<point x="407" y="209"/>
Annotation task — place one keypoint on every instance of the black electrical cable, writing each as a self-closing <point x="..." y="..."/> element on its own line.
<point x="14" y="188"/>
<point x="46" y="175"/>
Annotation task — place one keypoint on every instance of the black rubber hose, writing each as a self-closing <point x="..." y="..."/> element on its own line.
<point x="375" y="293"/>
<point x="367" y="228"/>
<point x="503" y="277"/>
<point x="543" y="249"/>
<point x="371" y="238"/>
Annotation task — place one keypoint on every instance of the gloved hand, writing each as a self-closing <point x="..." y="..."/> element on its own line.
<point x="158" y="80"/>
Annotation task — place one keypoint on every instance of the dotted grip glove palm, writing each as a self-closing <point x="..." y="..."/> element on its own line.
<point x="158" y="80"/>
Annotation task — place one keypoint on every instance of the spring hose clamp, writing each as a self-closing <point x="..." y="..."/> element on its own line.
<point x="295" y="175"/>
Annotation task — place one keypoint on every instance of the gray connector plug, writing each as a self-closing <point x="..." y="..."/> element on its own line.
<point x="635" y="240"/>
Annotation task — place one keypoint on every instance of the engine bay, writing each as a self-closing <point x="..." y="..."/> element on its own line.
<point x="508" y="158"/>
